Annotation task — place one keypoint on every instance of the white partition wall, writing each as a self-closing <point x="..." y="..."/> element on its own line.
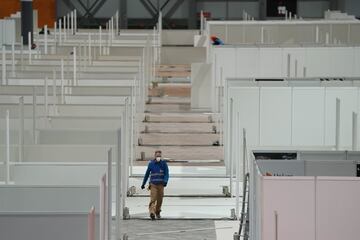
<point x="289" y="116"/>
<point x="280" y="63"/>
<point x="279" y="32"/>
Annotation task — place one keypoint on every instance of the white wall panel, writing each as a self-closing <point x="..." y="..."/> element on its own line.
<point x="317" y="62"/>
<point x="247" y="104"/>
<point x="275" y="116"/>
<point x="247" y="62"/>
<point x="308" y="116"/>
<point x="225" y="59"/>
<point x="348" y="104"/>
<point x="270" y="62"/>
<point x="341" y="61"/>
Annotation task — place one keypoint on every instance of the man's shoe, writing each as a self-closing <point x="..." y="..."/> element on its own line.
<point x="152" y="216"/>
<point x="158" y="216"/>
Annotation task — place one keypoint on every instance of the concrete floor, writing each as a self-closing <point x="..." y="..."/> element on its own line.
<point x="169" y="229"/>
<point x="179" y="229"/>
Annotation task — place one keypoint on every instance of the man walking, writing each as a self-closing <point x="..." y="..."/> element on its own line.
<point x="159" y="176"/>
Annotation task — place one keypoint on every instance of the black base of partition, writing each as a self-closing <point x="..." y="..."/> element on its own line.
<point x="27" y="21"/>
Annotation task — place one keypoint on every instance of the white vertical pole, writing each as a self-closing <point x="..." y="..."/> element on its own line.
<point x="119" y="209"/>
<point x="75" y="21"/>
<point x="262" y="34"/>
<point x="288" y="65"/>
<point x="89" y="56"/>
<point x="72" y="22"/>
<point x="102" y="207"/>
<point x="327" y="39"/>
<point x="201" y="22"/>
<point x="7" y="179"/>
<point x="109" y="191"/>
<point x="54" y="91"/>
<point x="231" y="143"/>
<point x="3" y="65"/>
<point x="237" y="166"/>
<point x="290" y="15"/>
<point x="74" y="66"/>
<point x="13" y="59"/>
<point x="296" y="68"/>
<point x="65" y="24"/>
<point x="34" y="115"/>
<point x="117" y="22"/>
<point x="317" y="34"/>
<point x="354" y="131"/>
<point x="46" y="96"/>
<point x="22" y="53"/>
<point x="29" y="46"/>
<point x="100" y="43"/>
<point x="62" y="82"/>
<point x="46" y="39"/>
<point x="337" y="124"/>
<point x="55" y="32"/>
<point x="21" y="131"/>
<point x="112" y="28"/>
<point x="68" y="23"/>
<point x="60" y="31"/>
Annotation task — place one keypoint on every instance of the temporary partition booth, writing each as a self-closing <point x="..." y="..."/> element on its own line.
<point x="304" y="194"/>
<point x="279" y="32"/>
<point x="47" y="212"/>
<point x="290" y="113"/>
<point x="269" y="62"/>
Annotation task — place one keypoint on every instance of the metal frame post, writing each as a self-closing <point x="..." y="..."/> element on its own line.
<point x="354" y="131"/>
<point x="22" y="53"/>
<point x="46" y="39"/>
<point x="46" y="96"/>
<point x="337" y="124"/>
<point x="21" y="129"/>
<point x="109" y="191"/>
<point x="62" y="82"/>
<point x="119" y="196"/>
<point x="231" y="146"/>
<point x="54" y="92"/>
<point x="100" y="43"/>
<point x="74" y="66"/>
<point x="72" y="22"/>
<point x="29" y="47"/>
<point x="12" y="59"/>
<point x="34" y="115"/>
<point x="7" y="172"/>
<point x="237" y="167"/>
<point x="103" y="203"/>
<point x="89" y="48"/>
<point x="75" y="21"/>
<point x="60" y="31"/>
<point x="3" y="51"/>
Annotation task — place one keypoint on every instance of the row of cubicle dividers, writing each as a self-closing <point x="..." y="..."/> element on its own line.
<point x="133" y="104"/>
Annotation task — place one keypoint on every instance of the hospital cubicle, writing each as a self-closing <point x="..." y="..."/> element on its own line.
<point x="309" y="195"/>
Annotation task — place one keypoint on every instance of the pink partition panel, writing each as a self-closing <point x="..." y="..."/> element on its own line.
<point x="292" y="198"/>
<point x="338" y="208"/>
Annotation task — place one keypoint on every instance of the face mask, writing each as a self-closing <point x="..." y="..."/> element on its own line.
<point x="158" y="159"/>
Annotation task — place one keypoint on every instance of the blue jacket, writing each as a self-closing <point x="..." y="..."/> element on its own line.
<point x="158" y="171"/>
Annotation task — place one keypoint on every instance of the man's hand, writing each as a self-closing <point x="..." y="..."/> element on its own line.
<point x="164" y="184"/>
<point x="143" y="187"/>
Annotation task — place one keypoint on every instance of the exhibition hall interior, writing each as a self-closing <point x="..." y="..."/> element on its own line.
<point x="179" y="119"/>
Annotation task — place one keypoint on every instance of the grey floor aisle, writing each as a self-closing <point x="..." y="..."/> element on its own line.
<point x="136" y="229"/>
